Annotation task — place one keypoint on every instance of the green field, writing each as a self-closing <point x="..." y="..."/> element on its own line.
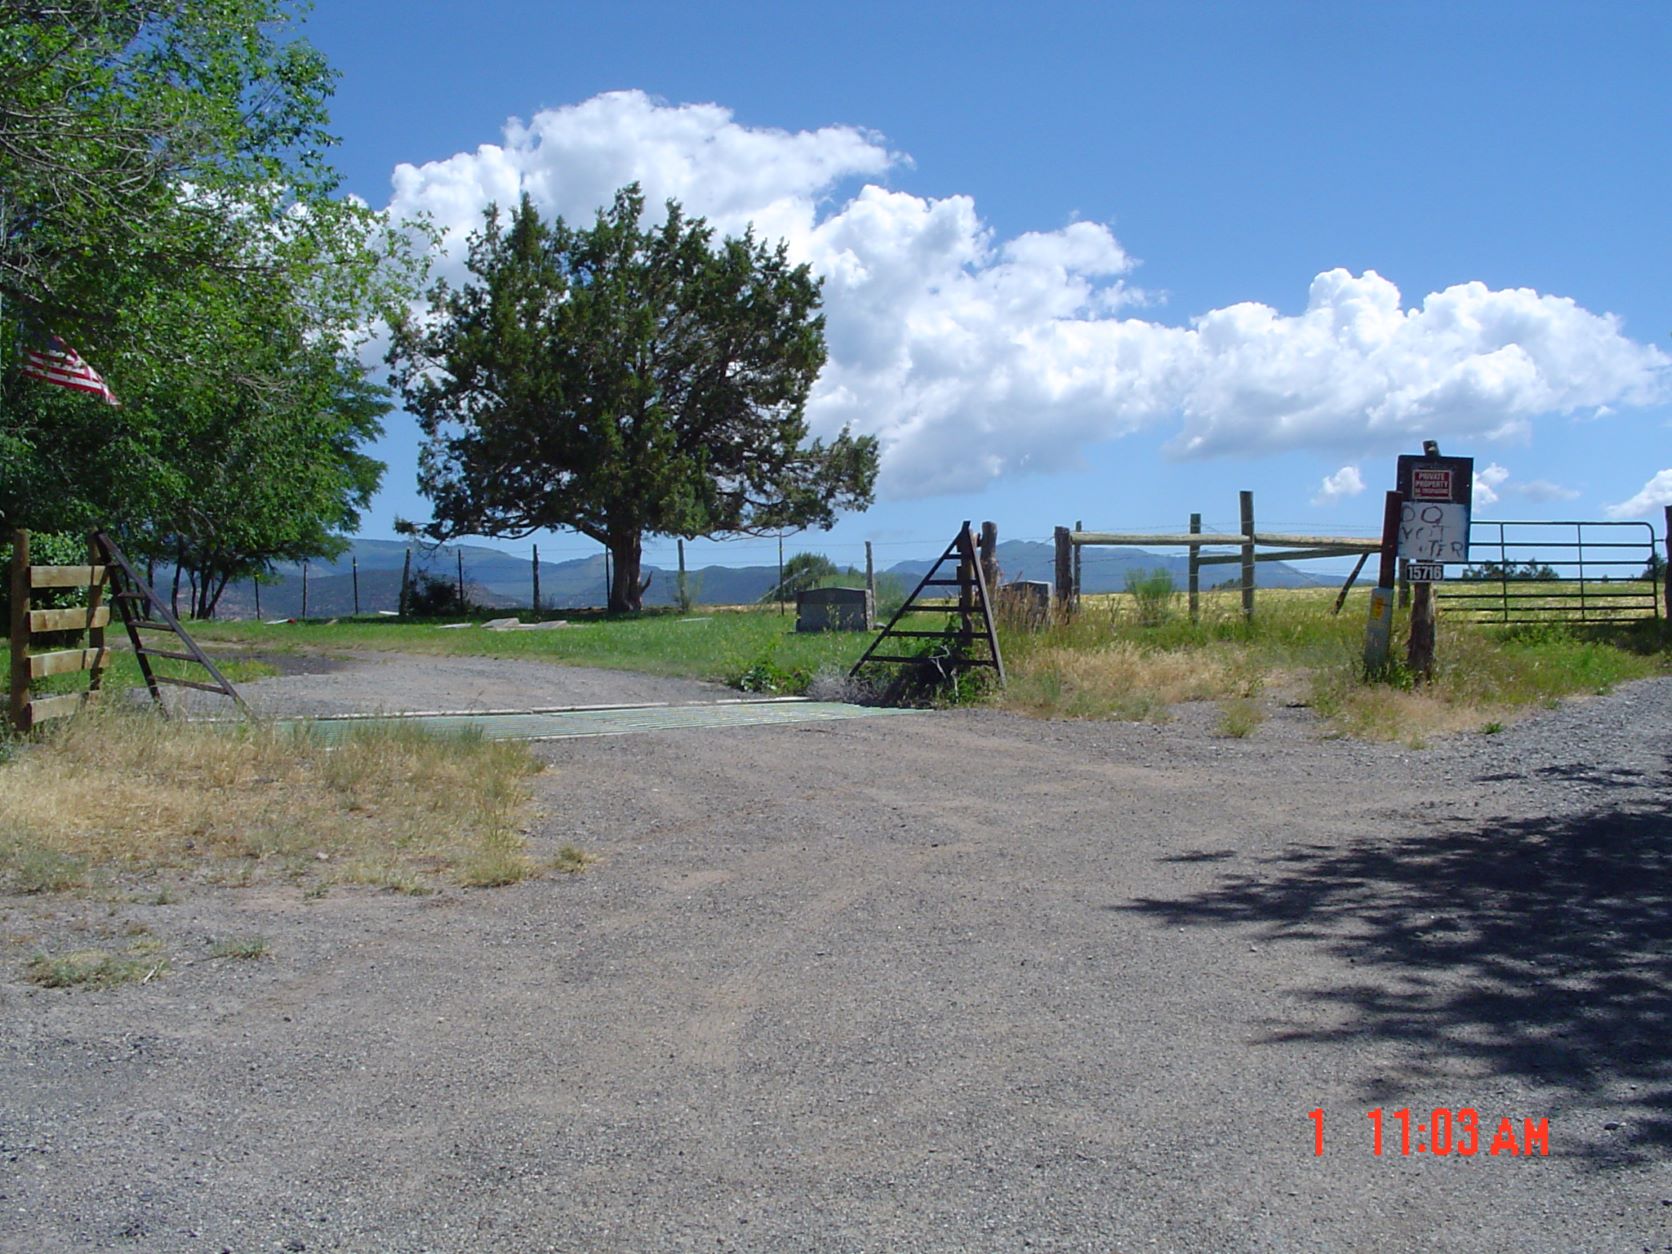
<point x="1122" y="656"/>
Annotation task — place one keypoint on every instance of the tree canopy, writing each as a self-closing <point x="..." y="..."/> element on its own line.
<point x="167" y="208"/>
<point x="621" y="381"/>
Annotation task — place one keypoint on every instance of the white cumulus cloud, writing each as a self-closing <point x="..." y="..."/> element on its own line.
<point x="1544" y="491"/>
<point x="1487" y="483"/>
<point x="1342" y="484"/>
<point x="1655" y="494"/>
<point x="973" y="357"/>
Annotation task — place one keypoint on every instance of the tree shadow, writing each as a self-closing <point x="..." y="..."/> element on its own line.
<point x="1538" y="948"/>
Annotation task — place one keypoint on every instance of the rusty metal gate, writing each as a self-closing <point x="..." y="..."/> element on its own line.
<point x="1557" y="572"/>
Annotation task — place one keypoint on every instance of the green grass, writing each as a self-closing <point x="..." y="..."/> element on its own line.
<point x="123" y="671"/>
<point x="242" y="948"/>
<point x="98" y="968"/>
<point x="1128" y="656"/>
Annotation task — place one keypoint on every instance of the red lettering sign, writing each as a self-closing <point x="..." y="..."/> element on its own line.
<point x="1430" y="485"/>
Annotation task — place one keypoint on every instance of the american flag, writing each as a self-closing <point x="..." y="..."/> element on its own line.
<point x="53" y="361"/>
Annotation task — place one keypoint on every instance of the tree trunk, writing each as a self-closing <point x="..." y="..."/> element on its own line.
<point x="626" y="593"/>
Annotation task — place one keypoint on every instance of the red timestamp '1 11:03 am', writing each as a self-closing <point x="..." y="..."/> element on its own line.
<point x="1445" y="1132"/>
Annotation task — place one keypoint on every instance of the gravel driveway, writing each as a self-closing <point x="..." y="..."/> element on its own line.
<point x="957" y="981"/>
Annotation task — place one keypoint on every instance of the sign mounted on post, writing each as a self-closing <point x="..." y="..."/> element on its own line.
<point x="1425" y="572"/>
<point x="1436" y="493"/>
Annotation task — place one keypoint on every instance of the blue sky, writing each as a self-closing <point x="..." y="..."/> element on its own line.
<point x="1073" y="252"/>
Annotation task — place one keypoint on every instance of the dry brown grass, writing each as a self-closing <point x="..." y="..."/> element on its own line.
<point x="1121" y="679"/>
<point x="1106" y="662"/>
<point x="119" y="792"/>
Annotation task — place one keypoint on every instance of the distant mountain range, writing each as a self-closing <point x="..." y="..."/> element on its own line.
<point x="499" y="580"/>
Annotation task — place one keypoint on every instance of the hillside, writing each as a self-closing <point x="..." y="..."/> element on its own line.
<point x="500" y="580"/>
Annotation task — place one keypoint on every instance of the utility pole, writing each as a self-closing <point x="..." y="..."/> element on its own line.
<point x="354" y="570"/>
<point x="536" y="581"/>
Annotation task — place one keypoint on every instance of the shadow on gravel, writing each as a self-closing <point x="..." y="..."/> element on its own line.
<point x="1540" y="948"/>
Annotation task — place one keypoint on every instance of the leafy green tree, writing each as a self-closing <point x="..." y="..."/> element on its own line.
<point x="167" y="208"/>
<point x="802" y="571"/>
<point x="624" y="381"/>
<point x="144" y="141"/>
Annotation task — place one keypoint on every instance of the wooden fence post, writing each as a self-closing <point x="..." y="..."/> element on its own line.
<point x="1065" y="572"/>
<point x="95" y="633"/>
<point x="990" y="555"/>
<point x="18" y="706"/>
<point x="1079" y="586"/>
<point x="1378" y="632"/>
<point x="1247" y="501"/>
<point x="1668" y="568"/>
<point x="354" y="571"/>
<point x="1419" y="648"/>
<point x="1195" y="570"/>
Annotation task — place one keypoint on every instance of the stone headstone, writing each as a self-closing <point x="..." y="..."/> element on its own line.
<point x="834" y="609"/>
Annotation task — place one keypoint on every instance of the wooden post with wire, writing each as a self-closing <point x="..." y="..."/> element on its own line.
<point x="871" y="580"/>
<point x="990" y="553"/>
<point x="1079" y="584"/>
<point x="1378" y="631"/>
<point x="1195" y="570"/>
<point x="1666" y="538"/>
<point x="17" y="709"/>
<point x="1246" y="500"/>
<point x="1064" y="572"/>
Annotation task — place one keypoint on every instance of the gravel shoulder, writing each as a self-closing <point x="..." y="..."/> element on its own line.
<point x="955" y="981"/>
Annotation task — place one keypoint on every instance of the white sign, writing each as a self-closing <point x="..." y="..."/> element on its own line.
<point x="1434" y="531"/>
<point x="1425" y="572"/>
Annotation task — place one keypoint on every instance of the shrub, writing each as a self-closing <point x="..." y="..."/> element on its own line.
<point x="1152" y="592"/>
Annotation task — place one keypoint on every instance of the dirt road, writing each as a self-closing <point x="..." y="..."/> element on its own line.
<point x="956" y="981"/>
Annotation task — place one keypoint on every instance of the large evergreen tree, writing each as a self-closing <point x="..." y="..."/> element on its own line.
<point x="624" y="381"/>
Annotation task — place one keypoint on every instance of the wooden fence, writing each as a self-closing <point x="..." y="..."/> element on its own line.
<point x="24" y="710"/>
<point x="1248" y="541"/>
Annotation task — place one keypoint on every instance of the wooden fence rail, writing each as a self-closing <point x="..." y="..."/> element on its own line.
<point x="24" y="710"/>
<point x="1289" y="548"/>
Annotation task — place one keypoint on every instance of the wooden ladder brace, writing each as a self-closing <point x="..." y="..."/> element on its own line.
<point x="142" y="610"/>
<point x="973" y="596"/>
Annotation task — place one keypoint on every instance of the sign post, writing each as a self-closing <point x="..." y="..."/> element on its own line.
<point x="1436" y="495"/>
<point x="1378" y="632"/>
